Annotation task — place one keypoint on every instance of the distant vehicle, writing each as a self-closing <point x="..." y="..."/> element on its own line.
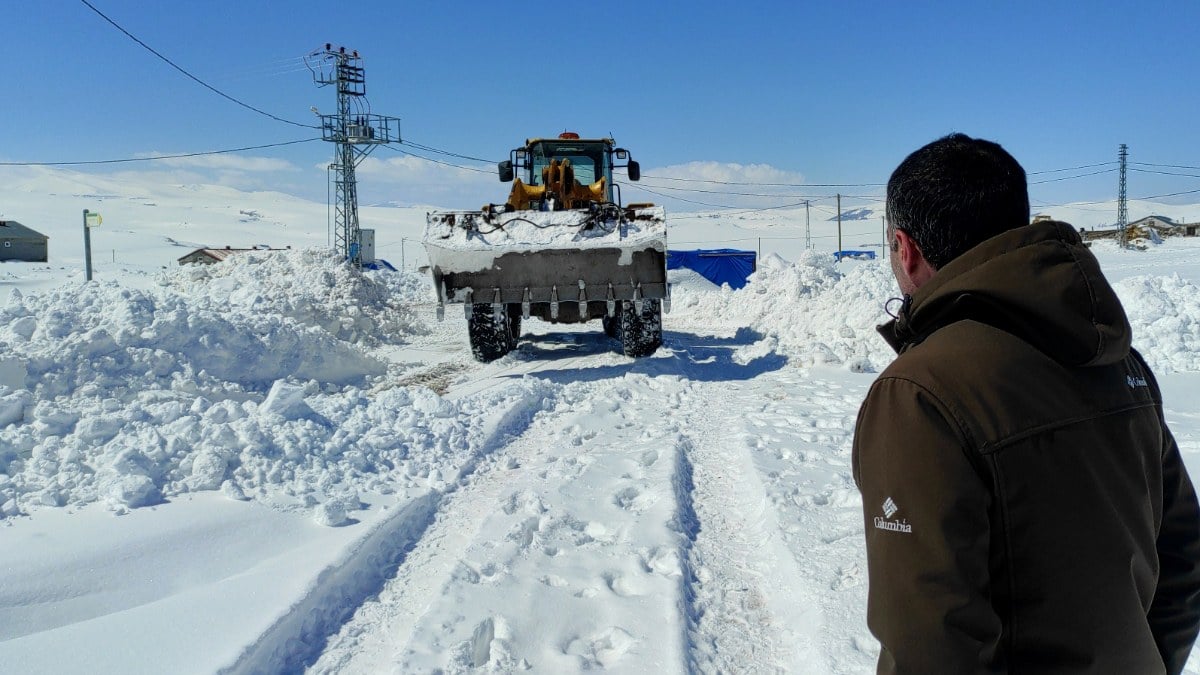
<point x="561" y="249"/>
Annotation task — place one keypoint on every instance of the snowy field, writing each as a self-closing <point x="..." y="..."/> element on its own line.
<point x="274" y="465"/>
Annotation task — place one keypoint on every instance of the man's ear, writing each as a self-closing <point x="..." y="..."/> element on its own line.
<point x="912" y="262"/>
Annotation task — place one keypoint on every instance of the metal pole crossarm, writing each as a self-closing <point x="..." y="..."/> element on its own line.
<point x="369" y="129"/>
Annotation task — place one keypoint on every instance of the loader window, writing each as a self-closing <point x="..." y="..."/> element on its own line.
<point x="590" y="160"/>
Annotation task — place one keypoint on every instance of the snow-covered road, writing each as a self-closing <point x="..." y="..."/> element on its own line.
<point x="646" y="517"/>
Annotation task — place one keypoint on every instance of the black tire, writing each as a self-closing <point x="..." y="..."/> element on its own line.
<point x="612" y="325"/>
<point x="492" y="336"/>
<point x="641" y="331"/>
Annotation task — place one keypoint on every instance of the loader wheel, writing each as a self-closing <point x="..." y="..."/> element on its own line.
<point x="492" y="335"/>
<point x="612" y="325"/>
<point x="641" y="329"/>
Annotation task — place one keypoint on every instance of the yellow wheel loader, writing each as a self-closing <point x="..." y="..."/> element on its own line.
<point x="562" y="249"/>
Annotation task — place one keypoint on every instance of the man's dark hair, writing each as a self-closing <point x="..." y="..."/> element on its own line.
<point x="954" y="193"/>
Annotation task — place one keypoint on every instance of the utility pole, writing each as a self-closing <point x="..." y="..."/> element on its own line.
<point x="1122" y="213"/>
<point x="90" y="219"/>
<point x="355" y="131"/>
<point x="839" y="211"/>
<point x="807" y="230"/>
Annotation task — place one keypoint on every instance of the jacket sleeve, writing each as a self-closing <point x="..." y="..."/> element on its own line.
<point x="926" y="502"/>
<point x="1175" y="612"/>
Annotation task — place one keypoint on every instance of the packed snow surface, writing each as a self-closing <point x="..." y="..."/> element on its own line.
<point x="278" y="464"/>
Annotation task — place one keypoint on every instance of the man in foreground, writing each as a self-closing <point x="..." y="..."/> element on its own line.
<point x="1026" y="507"/>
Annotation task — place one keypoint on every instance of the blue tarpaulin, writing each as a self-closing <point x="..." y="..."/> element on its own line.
<point x="856" y="255"/>
<point x="718" y="265"/>
<point x="379" y="264"/>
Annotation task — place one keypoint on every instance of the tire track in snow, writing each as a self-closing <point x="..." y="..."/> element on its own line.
<point x="736" y="564"/>
<point x="299" y="637"/>
<point x="798" y="434"/>
<point x="371" y="639"/>
<point x="572" y="520"/>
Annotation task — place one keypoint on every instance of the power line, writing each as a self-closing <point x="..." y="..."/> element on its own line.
<point x="439" y="151"/>
<point x="436" y="161"/>
<point x="762" y="184"/>
<point x="156" y="158"/>
<point x="1165" y="173"/>
<point x="740" y="194"/>
<point x="1070" y="168"/>
<point x="1082" y="175"/>
<point x="1107" y="201"/>
<point x="189" y="75"/>
<point x="1167" y="166"/>
<point x="681" y="199"/>
<point x="724" y="206"/>
<point x="756" y="184"/>
<point x="1169" y="194"/>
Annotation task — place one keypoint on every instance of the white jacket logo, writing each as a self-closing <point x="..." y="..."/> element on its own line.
<point x="890" y="509"/>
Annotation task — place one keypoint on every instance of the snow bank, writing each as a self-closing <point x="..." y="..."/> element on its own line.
<point x="811" y="311"/>
<point x="1165" y="314"/>
<point x="816" y="314"/>
<point x="297" y="447"/>
<point x="249" y="376"/>
<point x="312" y="287"/>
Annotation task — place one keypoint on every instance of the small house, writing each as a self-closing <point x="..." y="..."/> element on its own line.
<point x="208" y="256"/>
<point x="1152" y="226"/>
<point x="18" y="242"/>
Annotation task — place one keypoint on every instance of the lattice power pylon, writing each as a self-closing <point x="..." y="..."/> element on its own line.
<point x="1122" y="213"/>
<point x="356" y="131"/>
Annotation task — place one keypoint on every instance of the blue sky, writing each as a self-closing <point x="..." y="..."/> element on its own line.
<point x="832" y="93"/>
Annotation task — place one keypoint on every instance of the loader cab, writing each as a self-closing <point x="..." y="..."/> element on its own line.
<point x="591" y="160"/>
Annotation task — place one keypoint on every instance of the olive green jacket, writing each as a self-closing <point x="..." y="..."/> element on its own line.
<point x="1026" y="507"/>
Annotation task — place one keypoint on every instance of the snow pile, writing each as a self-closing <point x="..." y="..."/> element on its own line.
<point x="313" y="287"/>
<point x="130" y="397"/>
<point x="535" y="230"/>
<point x="297" y="448"/>
<point x="1165" y="316"/>
<point x="813" y="313"/>
<point x="810" y="310"/>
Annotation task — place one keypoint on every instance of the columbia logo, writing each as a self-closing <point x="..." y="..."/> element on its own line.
<point x="889" y="508"/>
<point x="1136" y="381"/>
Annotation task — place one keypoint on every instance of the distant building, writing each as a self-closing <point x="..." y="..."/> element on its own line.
<point x="1150" y="227"/>
<point x="18" y="242"/>
<point x="208" y="256"/>
<point x="1190" y="229"/>
<point x="1161" y="225"/>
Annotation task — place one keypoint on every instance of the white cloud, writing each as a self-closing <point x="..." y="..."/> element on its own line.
<point x="705" y="185"/>
<point x="411" y="180"/>
<point x="727" y="172"/>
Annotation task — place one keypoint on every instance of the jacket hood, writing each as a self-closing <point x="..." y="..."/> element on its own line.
<point x="1038" y="282"/>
